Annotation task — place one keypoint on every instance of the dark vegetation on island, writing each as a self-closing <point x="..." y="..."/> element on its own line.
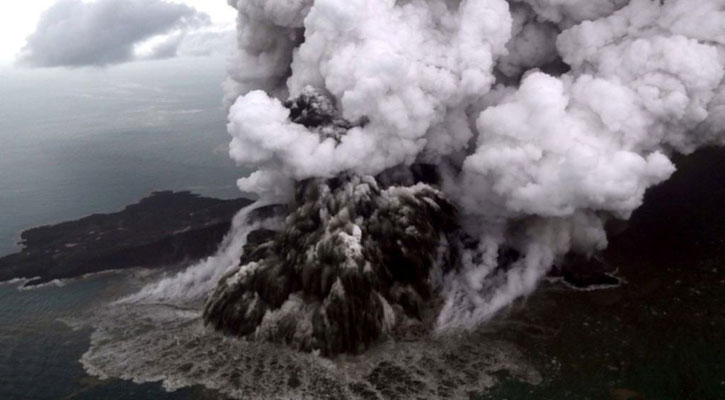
<point x="659" y="334"/>
<point x="165" y="228"/>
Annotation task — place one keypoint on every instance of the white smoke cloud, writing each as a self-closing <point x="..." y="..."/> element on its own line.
<point x="535" y="161"/>
<point x="265" y="48"/>
<point x="541" y="153"/>
<point x="532" y="44"/>
<point x="570" y="12"/>
<point x="75" y="33"/>
<point x="402" y="68"/>
<point x="592" y="140"/>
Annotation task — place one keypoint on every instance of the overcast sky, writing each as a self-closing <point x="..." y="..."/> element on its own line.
<point x="151" y="28"/>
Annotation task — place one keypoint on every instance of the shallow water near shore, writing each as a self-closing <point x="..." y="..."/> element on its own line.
<point x="41" y="346"/>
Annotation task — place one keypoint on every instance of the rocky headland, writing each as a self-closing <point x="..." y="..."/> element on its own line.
<point x="165" y="228"/>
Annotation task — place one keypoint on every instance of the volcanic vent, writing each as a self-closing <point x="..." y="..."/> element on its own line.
<point x="353" y="260"/>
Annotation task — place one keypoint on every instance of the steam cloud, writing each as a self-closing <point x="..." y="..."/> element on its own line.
<point x="75" y="33"/>
<point x="545" y="118"/>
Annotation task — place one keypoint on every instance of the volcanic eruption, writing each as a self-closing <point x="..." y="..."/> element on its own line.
<point x="434" y="159"/>
<point x="353" y="259"/>
<point x="419" y="166"/>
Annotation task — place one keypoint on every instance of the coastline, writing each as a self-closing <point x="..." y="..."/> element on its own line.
<point x="163" y="229"/>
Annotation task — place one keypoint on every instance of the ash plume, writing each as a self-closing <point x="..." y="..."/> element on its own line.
<point x="540" y="119"/>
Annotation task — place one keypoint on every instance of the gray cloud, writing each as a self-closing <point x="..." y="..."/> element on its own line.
<point x="208" y="43"/>
<point x="169" y="48"/>
<point x="194" y="44"/>
<point x="73" y="33"/>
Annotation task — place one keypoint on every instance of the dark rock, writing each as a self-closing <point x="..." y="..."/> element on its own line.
<point x="267" y="212"/>
<point x="313" y="109"/>
<point x="584" y="272"/>
<point x="258" y="245"/>
<point x="317" y="111"/>
<point x="165" y="228"/>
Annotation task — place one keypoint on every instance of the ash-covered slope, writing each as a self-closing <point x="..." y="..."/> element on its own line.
<point x="162" y="229"/>
<point x="353" y="260"/>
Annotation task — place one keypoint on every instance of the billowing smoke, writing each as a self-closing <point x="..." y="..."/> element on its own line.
<point x="433" y="160"/>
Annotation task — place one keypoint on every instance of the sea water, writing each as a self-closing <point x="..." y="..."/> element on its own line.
<point x="77" y="142"/>
<point x="41" y="345"/>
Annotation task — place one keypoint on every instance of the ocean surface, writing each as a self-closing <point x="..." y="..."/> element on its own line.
<point x="41" y="347"/>
<point x="77" y="142"/>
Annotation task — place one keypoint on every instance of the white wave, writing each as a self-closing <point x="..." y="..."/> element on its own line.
<point x="199" y="279"/>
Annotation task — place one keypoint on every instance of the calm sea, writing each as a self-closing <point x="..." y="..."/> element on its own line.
<point x="83" y="141"/>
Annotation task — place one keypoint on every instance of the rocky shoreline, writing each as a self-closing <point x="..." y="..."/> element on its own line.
<point x="165" y="228"/>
